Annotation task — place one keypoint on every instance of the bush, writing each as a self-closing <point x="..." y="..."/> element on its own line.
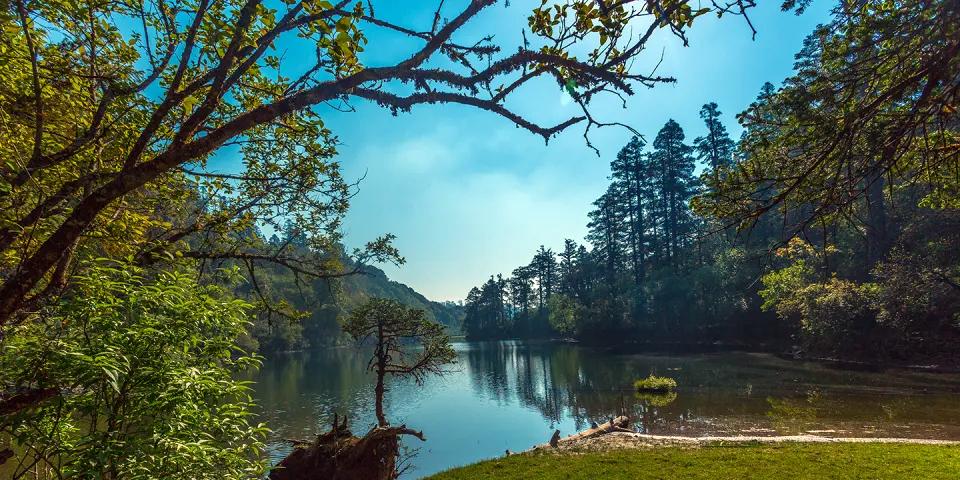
<point x="565" y="314"/>
<point x="831" y="314"/>
<point x="655" y="384"/>
<point x="142" y="369"/>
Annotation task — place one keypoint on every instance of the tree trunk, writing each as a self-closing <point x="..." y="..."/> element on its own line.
<point x="381" y="371"/>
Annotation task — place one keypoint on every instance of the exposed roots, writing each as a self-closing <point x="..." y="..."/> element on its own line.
<point x="338" y="455"/>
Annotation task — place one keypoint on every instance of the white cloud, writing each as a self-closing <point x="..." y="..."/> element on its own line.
<point x="462" y="213"/>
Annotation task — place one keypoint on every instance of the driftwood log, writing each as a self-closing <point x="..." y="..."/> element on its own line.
<point x="339" y="455"/>
<point x="617" y="424"/>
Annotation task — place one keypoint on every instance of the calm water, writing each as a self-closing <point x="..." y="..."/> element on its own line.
<point x="512" y="395"/>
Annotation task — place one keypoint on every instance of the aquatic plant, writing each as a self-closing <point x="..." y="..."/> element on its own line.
<point x="655" y="384"/>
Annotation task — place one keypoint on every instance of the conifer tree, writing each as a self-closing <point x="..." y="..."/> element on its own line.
<point x="606" y="234"/>
<point x="673" y="164"/>
<point x="715" y="149"/>
<point x="631" y="175"/>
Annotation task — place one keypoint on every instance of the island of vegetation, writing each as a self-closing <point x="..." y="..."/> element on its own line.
<point x="655" y="384"/>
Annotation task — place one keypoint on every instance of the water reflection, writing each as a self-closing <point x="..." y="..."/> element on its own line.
<point x="511" y="395"/>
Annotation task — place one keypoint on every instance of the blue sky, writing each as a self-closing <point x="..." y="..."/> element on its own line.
<point x="469" y="195"/>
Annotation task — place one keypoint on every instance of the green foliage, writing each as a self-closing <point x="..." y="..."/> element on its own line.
<point x="374" y="283"/>
<point x="715" y="149"/>
<point x="565" y="314"/>
<point x="646" y="275"/>
<point x="859" y="151"/>
<point x="406" y="344"/>
<point x="823" y="137"/>
<point x="909" y="304"/>
<point x="143" y="369"/>
<point x="655" y="384"/>
<point x="393" y="326"/>
<point x="781" y="286"/>
<point x="830" y="313"/>
<point x="109" y="113"/>
<point x="297" y="312"/>
<point x="488" y="312"/>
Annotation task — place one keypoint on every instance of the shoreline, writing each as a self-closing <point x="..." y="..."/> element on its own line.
<point x="667" y="349"/>
<point x="923" y="364"/>
<point x="626" y="440"/>
<point x="614" y="435"/>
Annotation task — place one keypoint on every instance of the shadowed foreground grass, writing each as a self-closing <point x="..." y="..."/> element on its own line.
<point x="729" y="461"/>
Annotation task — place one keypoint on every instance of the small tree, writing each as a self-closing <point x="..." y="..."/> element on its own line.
<point x="395" y="328"/>
<point x="396" y="331"/>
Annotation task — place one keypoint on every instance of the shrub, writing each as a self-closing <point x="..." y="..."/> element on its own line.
<point x="655" y="384"/>
<point x="143" y="368"/>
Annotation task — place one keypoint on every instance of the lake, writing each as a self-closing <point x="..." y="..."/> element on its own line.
<point x="512" y="395"/>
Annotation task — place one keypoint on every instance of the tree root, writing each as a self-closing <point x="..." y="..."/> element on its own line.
<point x="337" y="455"/>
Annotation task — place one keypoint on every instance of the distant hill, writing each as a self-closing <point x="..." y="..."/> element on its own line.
<point x="356" y="289"/>
<point x="325" y="303"/>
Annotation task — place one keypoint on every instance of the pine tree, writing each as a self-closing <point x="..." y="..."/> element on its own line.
<point x="631" y="175"/>
<point x="567" y="268"/>
<point x="715" y="149"/>
<point x="521" y="291"/>
<point x="606" y="233"/>
<point x="673" y="165"/>
<point x="544" y="265"/>
<point x="486" y="310"/>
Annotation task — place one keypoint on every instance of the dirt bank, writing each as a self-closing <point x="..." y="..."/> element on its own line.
<point x="618" y="440"/>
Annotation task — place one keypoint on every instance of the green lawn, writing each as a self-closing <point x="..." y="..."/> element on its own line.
<point x="791" y="461"/>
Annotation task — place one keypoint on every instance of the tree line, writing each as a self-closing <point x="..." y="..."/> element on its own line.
<point x="831" y="227"/>
<point x="647" y="271"/>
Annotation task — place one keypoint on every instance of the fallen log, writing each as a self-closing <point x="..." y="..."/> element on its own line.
<point x="618" y="424"/>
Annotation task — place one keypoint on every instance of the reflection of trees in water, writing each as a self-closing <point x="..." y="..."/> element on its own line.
<point x="561" y="381"/>
<point x="655" y="399"/>
<point x="507" y="372"/>
<point x="486" y="363"/>
<point x="717" y="394"/>
<point x="336" y="380"/>
<point x="555" y="380"/>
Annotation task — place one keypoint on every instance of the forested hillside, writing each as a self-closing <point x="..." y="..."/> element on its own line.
<point x="299" y="312"/>
<point x="375" y="283"/>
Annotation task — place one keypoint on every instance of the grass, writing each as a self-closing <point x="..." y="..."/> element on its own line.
<point x="788" y="461"/>
<point x="655" y="384"/>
